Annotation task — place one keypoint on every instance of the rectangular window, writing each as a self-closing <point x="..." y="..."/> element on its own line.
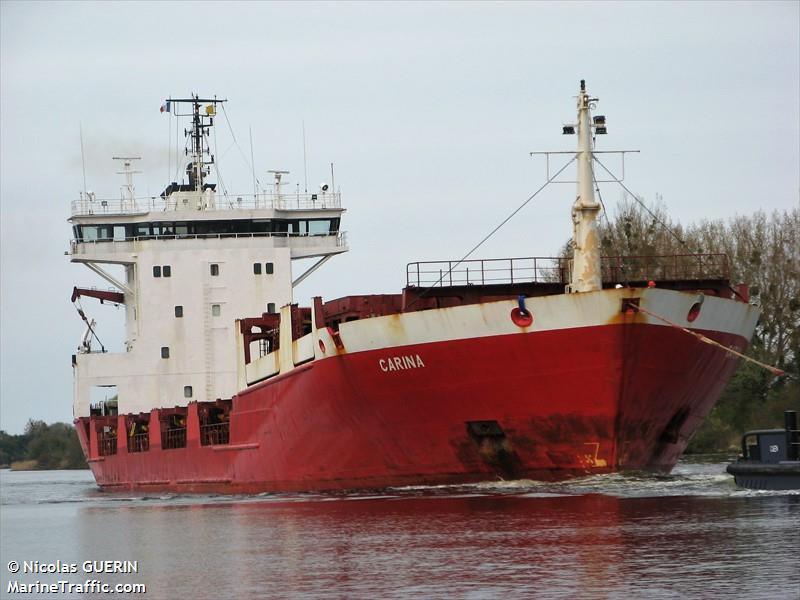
<point x="167" y="271"/>
<point x="187" y="391"/>
<point x="270" y="307"/>
<point x="90" y="233"/>
<point x="156" y="271"/>
<point x="214" y="270"/>
<point x="119" y="233"/>
<point x="179" y="311"/>
<point x="216" y="310"/>
<point x="164" y="351"/>
<point x="257" y="268"/>
<point x="269" y="268"/>
<point x="319" y="227"/>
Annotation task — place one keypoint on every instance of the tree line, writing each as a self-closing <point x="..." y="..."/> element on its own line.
<point x="42" y="446"/>
<point x="763" y="251"/>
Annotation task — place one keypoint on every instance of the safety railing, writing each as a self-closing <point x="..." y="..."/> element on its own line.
<point x="174" y="438"/>
<point x="106" y="444"/>
<point x="487" y="271"/>
<point x="139" y="442"/>
<point x="214" y="433"/>
<point x="666" y="267"/>
<point x="89" y="204"/>
<point x="671" y="267"/>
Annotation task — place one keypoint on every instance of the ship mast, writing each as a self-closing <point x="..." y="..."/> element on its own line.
<point x="586" y="273"/>
<point x="201" y="155"/>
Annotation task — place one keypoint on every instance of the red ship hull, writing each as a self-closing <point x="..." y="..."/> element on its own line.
<point x="542" y="405"/>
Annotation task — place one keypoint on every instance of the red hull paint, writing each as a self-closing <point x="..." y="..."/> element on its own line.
<point x="343" y="422"/>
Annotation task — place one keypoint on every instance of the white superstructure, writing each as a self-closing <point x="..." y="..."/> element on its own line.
<point x="194" y="261"/>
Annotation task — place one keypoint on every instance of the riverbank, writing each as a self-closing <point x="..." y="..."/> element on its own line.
<point x="42" y="447"/>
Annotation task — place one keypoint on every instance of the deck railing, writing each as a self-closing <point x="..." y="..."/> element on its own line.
<point x="487" y="271"/>
<point x="174" y="438"/>
<point x="90" y="205"/>
<point x="106" y="444"/>
<point x="615" y="269"/>
<point x="214" y="433"/>
<point x="668" y="267"/>
<point x="139" y="442"/>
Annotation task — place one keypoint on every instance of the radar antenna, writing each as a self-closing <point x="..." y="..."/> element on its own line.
<point x="202" y="121"/>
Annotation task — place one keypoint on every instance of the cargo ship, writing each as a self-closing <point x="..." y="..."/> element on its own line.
<point x="478" y="370"/>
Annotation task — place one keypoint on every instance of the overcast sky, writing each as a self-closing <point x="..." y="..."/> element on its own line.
<point x="428" y="111"/>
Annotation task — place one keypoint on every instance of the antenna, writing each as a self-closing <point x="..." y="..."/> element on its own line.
<point x="127" y="190"/>
<point x="333" y="180"/>
<point x="305" y="162"/>
<point x="83" y="160"/>
<point x="253" y="164"/>
<point x="197" y="135"/>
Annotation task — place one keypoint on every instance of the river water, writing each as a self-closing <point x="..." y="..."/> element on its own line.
<point x="691" y="534"/>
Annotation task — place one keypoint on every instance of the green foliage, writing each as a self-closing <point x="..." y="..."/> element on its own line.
<point x="12" y="448"/>
<point x="51" y="446"/>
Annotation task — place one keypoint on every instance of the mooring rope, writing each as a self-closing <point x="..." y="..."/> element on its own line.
<point x="707" y="340"/>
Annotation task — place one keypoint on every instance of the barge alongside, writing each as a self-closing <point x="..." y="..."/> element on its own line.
<point x="540" y="368"/>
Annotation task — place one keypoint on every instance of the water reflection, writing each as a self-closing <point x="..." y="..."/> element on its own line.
<point x="691" y="534"/>
<point x="483" y="546"/>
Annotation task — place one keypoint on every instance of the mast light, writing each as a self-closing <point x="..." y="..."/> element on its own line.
<point x="600" y="130"/>
<point x="599" y="119"/>
<point x="569" y="130"/>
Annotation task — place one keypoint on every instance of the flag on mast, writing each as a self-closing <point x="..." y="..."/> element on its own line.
<point x="165" y="107"/>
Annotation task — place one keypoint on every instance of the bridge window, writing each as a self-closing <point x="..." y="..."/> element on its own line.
<point x="214" y="269"/>
<point x="172" y="230"/>
<point x="157" y="271"/>
<point x="257" y="268"/>
<point x="179" y="311"/>
<point x="216" y="310"/>
<point x="164" y="351"/>
<point x="319" y="227"/>
<point x="167" y="271"/>
<point x="270" y="307"/>
<point x="187" y="391"/>
<point x="269" y="268"/>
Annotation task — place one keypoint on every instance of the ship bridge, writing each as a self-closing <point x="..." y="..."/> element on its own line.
<point x="111" y="230"/>
<point x="193" y="260"/>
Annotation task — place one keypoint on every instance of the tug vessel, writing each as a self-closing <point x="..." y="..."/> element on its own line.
<point x="524" y="367"/>
<point x="770" y="458"/>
